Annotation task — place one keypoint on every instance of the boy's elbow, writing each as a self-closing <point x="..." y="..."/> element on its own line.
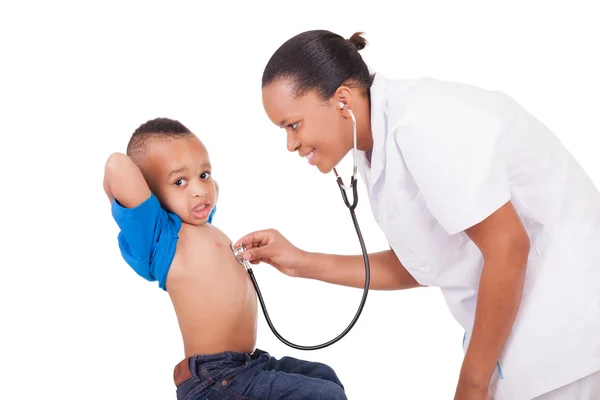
<point x="124" y="181"/>
<point x="117" y="165"/>
<point x="115" y="160"/>
<point x="114" y="166"/>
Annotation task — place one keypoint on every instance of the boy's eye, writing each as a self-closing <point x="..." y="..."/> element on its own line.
<point x="293" y="126"/>
<point x="205" y="175"/>
<point x="180" y="182"/>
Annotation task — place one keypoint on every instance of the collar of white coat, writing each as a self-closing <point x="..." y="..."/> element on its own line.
<point x="379" y="129"/>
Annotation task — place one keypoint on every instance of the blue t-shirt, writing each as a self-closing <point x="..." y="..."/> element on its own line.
<point x="148" y="238"/>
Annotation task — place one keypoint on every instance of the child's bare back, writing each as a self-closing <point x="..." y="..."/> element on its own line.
<point x="212" y="294"/>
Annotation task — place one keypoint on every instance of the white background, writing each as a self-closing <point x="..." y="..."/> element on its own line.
<point x="77" y="79"/>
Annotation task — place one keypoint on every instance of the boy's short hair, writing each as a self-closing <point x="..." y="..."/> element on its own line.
<point x="158" y="128"/>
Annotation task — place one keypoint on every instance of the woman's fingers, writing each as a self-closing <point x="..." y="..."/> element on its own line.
<point x="255" y="239"/>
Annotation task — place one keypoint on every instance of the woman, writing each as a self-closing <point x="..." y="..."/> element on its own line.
<point x="474" y="195"/>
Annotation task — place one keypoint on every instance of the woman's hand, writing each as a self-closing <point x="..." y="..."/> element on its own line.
<point x="271" y="247"/>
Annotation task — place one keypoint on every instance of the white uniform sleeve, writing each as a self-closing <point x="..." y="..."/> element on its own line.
<point x="453" y="153"/>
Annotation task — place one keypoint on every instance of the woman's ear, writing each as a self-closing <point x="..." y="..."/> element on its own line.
<point x="344" y="94"/>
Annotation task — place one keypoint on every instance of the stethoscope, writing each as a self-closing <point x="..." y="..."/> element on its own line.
<point x="237" y="252"/>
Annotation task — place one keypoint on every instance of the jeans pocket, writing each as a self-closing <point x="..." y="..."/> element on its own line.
<point x="223" y="376"/>
<point x="209" y="377"/>
<point x="192" y="390"/>
<point x="234" y="383"/>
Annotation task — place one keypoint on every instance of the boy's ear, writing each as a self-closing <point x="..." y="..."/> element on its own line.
<point x="217" y="187"/>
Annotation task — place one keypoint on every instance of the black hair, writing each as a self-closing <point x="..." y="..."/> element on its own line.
<point x="319" y="60"/>
<point x="156" y="128"/>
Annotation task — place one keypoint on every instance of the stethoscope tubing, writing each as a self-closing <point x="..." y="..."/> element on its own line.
<point x="351" y="207"/>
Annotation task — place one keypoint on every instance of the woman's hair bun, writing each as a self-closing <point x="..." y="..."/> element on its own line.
<point x="358" y="41"/>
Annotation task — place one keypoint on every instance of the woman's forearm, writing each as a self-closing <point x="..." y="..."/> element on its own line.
<point x="498" y="300"/>
<point x="387" y="272"/>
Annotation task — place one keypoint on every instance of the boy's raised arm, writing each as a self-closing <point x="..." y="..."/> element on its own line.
<point x="124" y="181"/>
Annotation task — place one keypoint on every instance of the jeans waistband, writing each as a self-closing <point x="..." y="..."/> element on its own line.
<point x="183" y="370"/>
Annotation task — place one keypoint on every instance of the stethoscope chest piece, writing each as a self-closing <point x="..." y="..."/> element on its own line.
<point x="237" y="252"/>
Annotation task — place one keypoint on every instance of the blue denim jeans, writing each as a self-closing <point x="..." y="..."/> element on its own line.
<point x="255" y="376"/>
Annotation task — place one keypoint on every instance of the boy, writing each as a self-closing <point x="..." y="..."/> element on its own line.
<point x="163" y="199"/>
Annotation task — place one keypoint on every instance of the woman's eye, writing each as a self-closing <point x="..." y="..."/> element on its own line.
<point x="205" y="175"/>
<point x="180" y="182"/>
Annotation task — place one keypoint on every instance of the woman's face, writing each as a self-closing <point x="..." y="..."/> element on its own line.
<point x="315" y="129"/>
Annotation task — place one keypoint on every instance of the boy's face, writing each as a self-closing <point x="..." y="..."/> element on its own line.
<point x="178" y="172"/>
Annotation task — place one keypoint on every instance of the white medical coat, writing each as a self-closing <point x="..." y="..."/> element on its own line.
<point x="447" y="155"/>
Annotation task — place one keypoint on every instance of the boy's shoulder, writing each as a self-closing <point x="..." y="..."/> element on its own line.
<point x="147" y="238"/>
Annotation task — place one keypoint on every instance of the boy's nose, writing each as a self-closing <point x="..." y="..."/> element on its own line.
<point x="199" y="190"/>
<point x="200" y="193"/>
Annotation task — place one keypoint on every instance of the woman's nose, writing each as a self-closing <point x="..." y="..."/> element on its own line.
<point x="292" y="144"/>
